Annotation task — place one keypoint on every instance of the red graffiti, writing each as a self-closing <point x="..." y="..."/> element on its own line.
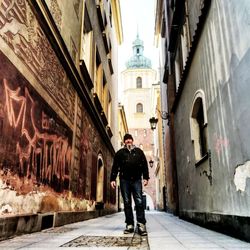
<point x="21" y="31"/>
<point x="47" y="156"/>
<point x="220" y="143"/>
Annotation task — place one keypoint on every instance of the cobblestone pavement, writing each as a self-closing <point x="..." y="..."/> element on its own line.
<point x="165" y="232"/>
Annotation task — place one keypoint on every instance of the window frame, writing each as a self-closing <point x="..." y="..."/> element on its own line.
<point x="139" y="82"/>
<point x="139" y="104"/>
<point x="198" y="130"/>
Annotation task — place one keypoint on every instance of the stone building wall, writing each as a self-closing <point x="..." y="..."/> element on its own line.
<point x="49" y="143"/>
<point x="219" y="69"/>
<point x="211" y="118"/>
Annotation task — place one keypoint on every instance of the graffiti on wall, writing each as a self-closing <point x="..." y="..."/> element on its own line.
<point x="89" y="142"/>
<point x="220" y="144"/>
<point x="21" y="32"/>
<point x="90" y="145"/>
<point x="34" y="141"/>
<point x="85" y="161"/>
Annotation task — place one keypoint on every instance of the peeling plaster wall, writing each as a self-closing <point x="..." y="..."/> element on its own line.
<point x="242" y="175"/>
<point x="220" y="68"/>
<point x="48" y="142"/>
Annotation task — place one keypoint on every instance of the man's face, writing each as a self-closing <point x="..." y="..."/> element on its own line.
<point x="128" y="142"/>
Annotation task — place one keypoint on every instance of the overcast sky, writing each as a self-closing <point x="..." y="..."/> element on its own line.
<point x="137" y="15"/>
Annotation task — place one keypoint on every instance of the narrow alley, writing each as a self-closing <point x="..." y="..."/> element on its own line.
<point x="103" y="100"/>
<point x="165" y="231"/>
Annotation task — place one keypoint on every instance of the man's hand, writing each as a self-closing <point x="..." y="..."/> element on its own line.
<point x="113" y="184"/>
<point x="145" y="183"/>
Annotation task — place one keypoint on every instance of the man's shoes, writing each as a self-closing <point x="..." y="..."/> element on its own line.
<point x="142" y="229"/>
<point x="129" y="229"/>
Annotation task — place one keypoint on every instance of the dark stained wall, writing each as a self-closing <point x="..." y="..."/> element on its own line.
<point x="35" y="143"/>
<point x="48" y="141"/>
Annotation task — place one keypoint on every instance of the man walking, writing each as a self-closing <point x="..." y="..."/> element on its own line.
<point x="131" y="164"/>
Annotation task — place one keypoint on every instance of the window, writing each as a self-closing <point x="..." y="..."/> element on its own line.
<point x="109" y="108"/>
<point x="198" y="125"/>
<point x="185" y="37"/>
<point x="178" y="66"/>
<point x="202" y="129"/>
<point x="139" y="108"/>
<point x="110" y="16"/>
<point x="105" y="100"/>
<point x="98" y="87"/>
<point x="183" y="48"/>
<point x="138" y="82"/>
<point x="136" y="133"/>
<point x="172" y="4"/>
<point x="110" y="58"/>
<point x="87" y="52"/>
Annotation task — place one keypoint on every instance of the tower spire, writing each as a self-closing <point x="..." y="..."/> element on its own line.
<point x="137" y="32"/>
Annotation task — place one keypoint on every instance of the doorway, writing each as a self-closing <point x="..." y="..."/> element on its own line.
<point x="100" y="180"/>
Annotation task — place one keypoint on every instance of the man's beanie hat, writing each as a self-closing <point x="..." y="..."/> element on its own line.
<point x="127" y="136"/>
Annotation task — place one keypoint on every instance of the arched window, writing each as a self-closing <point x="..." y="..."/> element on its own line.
<point x="139" y="108"/>
<point x="198" y="125"/>
<point x="138" y="82"/>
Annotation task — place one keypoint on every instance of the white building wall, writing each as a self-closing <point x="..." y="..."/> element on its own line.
<point x="133" y="96"/>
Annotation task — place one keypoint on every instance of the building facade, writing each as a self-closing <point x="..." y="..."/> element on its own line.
<point x="158" y="141"/>
<point x="137" y="80"/>
<point x="122" y="130"/>
<point x="207" y="77"/>
<point x="165" y="128"/>
<point x="58" y="103"/>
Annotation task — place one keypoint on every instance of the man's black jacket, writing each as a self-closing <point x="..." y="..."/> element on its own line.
<point x="131" y="165"/>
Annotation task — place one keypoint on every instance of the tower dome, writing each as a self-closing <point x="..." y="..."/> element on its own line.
<point x="138" y="60"/>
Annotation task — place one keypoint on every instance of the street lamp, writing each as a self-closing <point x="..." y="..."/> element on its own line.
<point x="153" y="121"/>
<point x="151" y="163"/>
<point x="164" y="116"/>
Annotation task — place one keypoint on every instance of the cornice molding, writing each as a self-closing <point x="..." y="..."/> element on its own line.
<point x="49" y="27"/>
<point x="115" y="4"/>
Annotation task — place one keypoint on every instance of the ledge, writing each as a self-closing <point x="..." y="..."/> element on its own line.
<point x="97" y="102"/>
<point x="109" y="131"/>
<point x="233" y="225"/>
<point x="14" y="225"/>
<point x="100" y="19"/>
<point x="104" y="119"/>
<point x="105" y="41"/>
<point x="110" y="66"/>
<point x="204" y="158"/>
<point x="86" y="76"/>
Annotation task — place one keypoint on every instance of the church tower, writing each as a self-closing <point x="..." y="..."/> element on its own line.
<point x="137" y="81"/>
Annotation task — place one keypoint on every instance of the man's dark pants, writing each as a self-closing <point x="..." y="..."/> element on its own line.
<point x="128" y="188"/>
